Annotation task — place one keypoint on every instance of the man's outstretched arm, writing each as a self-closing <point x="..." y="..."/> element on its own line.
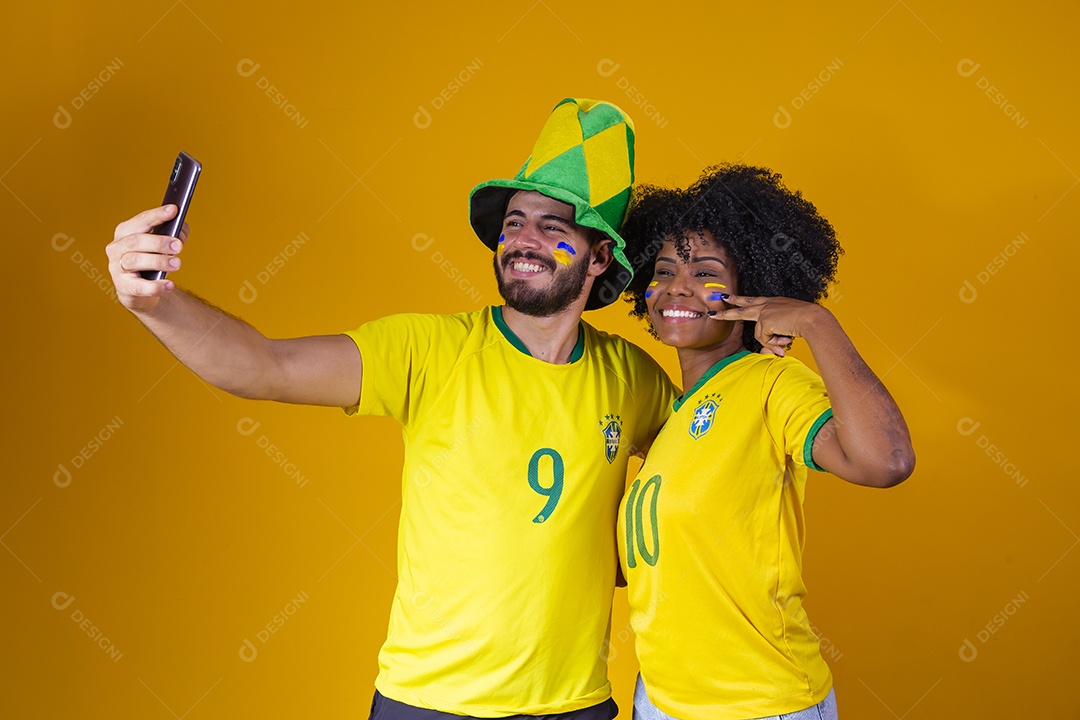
<point x="222" y="349"/>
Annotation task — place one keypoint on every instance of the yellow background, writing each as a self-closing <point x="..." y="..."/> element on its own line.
<point x="180" y="538"/>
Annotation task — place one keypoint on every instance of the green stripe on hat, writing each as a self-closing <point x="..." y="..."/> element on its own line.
<point x="581" y="158"/>
<point x="599" y="119"/>
<point x="565" y="171"/>
<point x="613" y="210"/>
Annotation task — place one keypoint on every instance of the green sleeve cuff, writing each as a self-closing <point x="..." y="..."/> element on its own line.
<point x="808" y="446"/>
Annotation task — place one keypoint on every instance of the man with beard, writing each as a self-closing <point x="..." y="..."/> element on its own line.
<point x="518" y="424"/>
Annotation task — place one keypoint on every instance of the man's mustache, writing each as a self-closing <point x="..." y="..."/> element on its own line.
<point x="509" y="258"/>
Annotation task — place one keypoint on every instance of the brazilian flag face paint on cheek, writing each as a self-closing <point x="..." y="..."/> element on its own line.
<point x="716" y="295"/>
<point x="649" y="293"/>
<point x="562" y="253"/>
<point x="502" y="245"/>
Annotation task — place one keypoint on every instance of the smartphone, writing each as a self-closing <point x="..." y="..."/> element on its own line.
<point x="185" y="174"/>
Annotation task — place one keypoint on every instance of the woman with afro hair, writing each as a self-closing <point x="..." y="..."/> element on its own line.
<point x="711" y="531"/>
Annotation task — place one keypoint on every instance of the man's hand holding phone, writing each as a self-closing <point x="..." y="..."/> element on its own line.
<point x="136" y="249"/>
<point x="144" y="248"/>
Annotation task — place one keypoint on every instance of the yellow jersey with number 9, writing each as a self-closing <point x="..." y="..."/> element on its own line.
<point x="711" y="537"/>
<point x="513" y="472"/>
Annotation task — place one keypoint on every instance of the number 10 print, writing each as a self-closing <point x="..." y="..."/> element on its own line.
<point x="635" y="532"/>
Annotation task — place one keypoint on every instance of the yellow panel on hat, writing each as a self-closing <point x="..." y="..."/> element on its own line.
<point x="561" y="132"/>
<point x="608" y="162"/>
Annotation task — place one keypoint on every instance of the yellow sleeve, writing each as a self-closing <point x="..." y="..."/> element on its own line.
<point x="394" y="351"/>
<point x="795" y="407"/>
<point x="654" y="394"/>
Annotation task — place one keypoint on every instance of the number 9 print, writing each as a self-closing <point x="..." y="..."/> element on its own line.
<point x="554" y="491"/>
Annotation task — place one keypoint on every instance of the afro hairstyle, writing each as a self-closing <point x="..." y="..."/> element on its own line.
<point x="781" y="246"/>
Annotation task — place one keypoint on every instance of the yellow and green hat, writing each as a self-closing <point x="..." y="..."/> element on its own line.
<point x="584" y="157"/>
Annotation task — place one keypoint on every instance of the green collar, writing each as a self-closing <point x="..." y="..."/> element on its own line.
<point x="497" y="316"/>
<point x="709" y="374"/>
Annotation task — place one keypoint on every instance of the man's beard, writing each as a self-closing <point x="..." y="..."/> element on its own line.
<point x="541" y="302"/>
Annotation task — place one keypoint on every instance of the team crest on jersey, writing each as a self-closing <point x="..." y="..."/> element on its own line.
<point x="704" y="414"/>
<point x="611" y="427"/>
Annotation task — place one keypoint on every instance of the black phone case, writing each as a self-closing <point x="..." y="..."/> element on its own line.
<point x="185" y="174"/>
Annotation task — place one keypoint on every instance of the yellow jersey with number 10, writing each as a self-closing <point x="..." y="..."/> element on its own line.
<point x="513" y="472"/>
<point x="711" y="537"/>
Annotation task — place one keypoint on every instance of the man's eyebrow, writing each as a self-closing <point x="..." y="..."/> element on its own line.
<point x="560" y="218"/>
<point x="549" y="216"/>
